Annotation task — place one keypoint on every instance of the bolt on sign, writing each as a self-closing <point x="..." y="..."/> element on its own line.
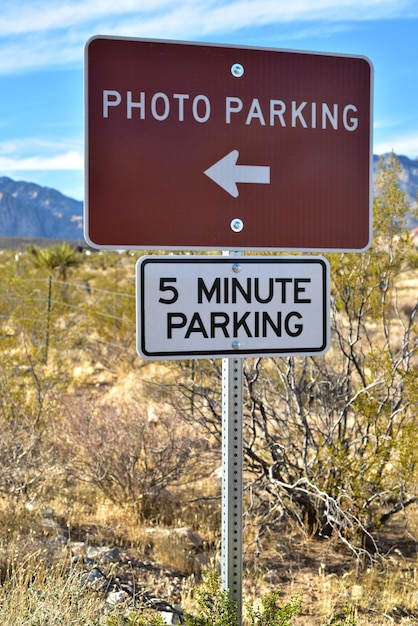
<point x="201" y="146"/>
<point x="203" y="307"/>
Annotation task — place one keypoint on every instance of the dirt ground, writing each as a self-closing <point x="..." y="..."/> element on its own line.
<point x="329" y="578"/>
<point x="335" y="585"/>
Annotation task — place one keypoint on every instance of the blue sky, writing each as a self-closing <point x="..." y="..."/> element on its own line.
<point x="42" y="52"/>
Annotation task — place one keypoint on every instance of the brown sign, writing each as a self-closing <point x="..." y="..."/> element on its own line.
<point x="199" y="146"/>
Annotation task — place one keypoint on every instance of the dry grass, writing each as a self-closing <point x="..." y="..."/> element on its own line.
<point x="36" y="593"/>
<point x="36" y="573"/>
<point x="40" y="588"/>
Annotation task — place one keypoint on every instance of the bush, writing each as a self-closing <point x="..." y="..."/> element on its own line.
<point x="130" y="458"/>
<point x="345" y="618"/>
<point x="271" y="614"/>
<point x="331" y="440"/>
<point x="216" y="608"/>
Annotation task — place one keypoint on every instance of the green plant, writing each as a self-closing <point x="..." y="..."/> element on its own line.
<point x="60" y="257"/>
<point x="271" y="614"/>
<point x="216" y="608"/>
<point x="345" y="618"/>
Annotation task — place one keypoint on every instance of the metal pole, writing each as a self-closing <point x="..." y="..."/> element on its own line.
<point x="232" y="479"/>
<point x="232" y="484"/>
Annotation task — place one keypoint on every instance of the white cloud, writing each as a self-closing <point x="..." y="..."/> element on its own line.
<point x="36" y="33"/>
<point x="246" y="13"/>
<point x="38" y="155"/>
<point x="406" y="145"/>
<point x="64" y="161"/>
<point x="29" y="16"/>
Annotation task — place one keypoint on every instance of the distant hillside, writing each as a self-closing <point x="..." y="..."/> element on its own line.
<point x="30" y="211"/>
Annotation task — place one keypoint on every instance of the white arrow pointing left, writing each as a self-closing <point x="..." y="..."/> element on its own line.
<point x="226" y="173"/>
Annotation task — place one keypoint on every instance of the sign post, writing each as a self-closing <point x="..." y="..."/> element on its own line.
<point x="219" y="306"/>
<point x="232" y="482"/>
<point x="232" y="475"/>
<point x="208" y="147"/>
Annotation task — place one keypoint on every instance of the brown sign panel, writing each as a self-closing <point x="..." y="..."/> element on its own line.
<point x="200" y="146"/>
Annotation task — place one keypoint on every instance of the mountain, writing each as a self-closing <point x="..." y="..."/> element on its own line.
<point x="28" y="210"/>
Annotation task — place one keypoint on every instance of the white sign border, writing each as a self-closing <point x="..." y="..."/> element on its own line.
<point x="141" y="322"/>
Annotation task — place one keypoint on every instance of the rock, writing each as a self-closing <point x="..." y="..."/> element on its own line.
<point x="187" y="535"/>
<point x="51" y="524"/>
<point x="48" y="513"/>
<point x="95" y="579"/>
<point x="201" y="560"/>
<point x="272" y="577"/>
<point x="120" y="582"/>
<point x="78" y="548"/>
<point x="110" y="555"/>
<point x="59" y="541"/>
<point x="31" y="505"/>
<point x="170" y="617"/>
<point x="171" y="614"/>
<point x="116" y="597"/>
<point x="103" y="554"/>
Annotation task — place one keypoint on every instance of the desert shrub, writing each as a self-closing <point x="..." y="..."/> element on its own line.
<point x="346" y="617"/>
<point x="27" y="405"/>
<point x="331" y="441"/>
<point x="133" y="459"/>
<point x="24" y="459"/>
<point x="271" y="614"/>
<point x="42" y="309"/>
<point x="217" y="608"/>
<point x="59" y="257"/>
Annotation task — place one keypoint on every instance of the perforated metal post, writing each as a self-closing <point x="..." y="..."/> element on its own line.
<point x="232" y="479"/>
<point x="232" y="459"/>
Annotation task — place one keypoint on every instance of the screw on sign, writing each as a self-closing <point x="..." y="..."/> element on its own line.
<point x="221" y="147"/>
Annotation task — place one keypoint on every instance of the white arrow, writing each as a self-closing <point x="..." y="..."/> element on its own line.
<point x="226" y="173"/>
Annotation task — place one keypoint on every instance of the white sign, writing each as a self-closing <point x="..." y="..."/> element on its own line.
<point x="205" y="307"/>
